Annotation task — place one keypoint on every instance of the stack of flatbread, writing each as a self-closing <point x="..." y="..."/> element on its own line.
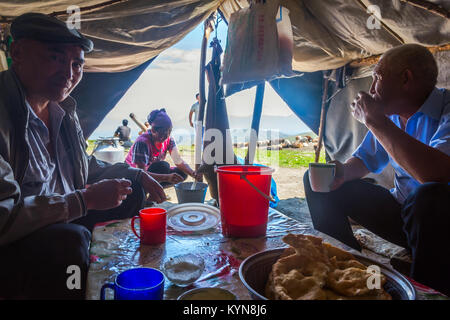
<point x="314" y="270"/>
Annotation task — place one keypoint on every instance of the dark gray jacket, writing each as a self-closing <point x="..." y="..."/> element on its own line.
<point x="19" y="216"/>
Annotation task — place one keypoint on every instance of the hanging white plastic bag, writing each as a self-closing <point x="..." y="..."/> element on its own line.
<point x="259" y="45"/>
<point x="252" y="44"/>
<point x="285" y="42"/>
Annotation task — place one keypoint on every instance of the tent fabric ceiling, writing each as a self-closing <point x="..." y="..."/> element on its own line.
<point x="127" y="33"/>
<point x="331" y="33"/>
<point x="327" y="34"/>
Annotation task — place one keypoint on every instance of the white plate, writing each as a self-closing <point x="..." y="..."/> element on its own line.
<point x="193" y="217"/>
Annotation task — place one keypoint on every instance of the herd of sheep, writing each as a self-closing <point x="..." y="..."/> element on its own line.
<point x="279" y="144"/>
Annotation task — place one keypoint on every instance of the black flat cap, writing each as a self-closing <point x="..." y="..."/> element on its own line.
<point x="41" y="27"/>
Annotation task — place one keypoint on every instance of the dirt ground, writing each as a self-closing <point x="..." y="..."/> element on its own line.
<point x="290" y="190"/>
<point x="289" y="181"/>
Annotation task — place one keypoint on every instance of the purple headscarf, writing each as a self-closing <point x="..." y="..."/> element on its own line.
<point x="159" y="119"/>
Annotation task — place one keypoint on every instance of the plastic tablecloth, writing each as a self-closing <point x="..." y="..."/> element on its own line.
<point x="114" y="248"/>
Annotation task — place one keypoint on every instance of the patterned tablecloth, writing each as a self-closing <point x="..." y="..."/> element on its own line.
<point x="115" y="248"/>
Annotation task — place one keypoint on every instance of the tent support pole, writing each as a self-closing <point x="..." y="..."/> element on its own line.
<point x="322" y="116"/>
<point x="254" y="132"/>
<point x="208" y="28"/>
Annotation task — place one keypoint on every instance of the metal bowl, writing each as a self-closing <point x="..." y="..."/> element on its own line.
<point x="184" y="269"/>
<point x="254" y="272"/>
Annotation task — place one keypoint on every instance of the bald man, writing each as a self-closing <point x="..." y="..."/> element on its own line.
<point x="409" y="127"/>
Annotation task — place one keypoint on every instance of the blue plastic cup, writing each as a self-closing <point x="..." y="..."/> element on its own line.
<point x="136" y="284"/>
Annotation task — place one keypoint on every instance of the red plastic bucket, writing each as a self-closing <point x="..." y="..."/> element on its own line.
<point x="244" y="193"/>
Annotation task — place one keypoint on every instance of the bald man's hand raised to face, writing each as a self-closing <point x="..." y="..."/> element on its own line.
<point x="366" y="109"/>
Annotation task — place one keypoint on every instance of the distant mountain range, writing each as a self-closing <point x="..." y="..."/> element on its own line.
<point x="270" y="127"/>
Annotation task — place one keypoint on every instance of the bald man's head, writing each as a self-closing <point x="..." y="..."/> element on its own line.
<point x="403" y="78"/>
<point x="415" y="58"/>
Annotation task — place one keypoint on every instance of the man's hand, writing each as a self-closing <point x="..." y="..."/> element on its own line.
<point x="352" y="169"/>
<point x="106" y="194"/>
<point x="198" y="176"/>
<point x="152" y="187"/>
<point x="366" y="109"/>
<point x="174" y="178"/>
<point x="339" y="175"/>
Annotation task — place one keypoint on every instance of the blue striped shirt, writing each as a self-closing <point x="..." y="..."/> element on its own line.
<point x="46" y="175"/>
<point x="430" y="125"/>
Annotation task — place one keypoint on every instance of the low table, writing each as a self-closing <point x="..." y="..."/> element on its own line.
<point x="114" y="248"/>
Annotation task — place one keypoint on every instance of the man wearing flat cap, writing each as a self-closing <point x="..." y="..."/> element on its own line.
<point x="51" y="192"/>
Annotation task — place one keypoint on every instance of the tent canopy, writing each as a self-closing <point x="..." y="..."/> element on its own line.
<point x="327" y="34"/>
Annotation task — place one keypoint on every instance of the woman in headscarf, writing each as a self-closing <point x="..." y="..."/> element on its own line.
<point x="150" y="149"/>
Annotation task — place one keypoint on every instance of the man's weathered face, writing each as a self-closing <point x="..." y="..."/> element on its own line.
<point x="386" y="87"/>
<point x="49" y="70"/>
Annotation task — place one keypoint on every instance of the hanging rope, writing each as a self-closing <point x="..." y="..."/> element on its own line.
<point x="322" y="116"/>
<point x="431" y="7"/>
<point x="385" y="27"/>
<point x="89" y="8"/>
<point x="62" y="13"/>
<point x="3" y="43"/>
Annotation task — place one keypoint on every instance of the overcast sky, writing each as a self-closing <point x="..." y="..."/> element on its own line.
<point x="171" y="81"/>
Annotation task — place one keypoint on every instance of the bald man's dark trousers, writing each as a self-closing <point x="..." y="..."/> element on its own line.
<point x="421" y="224"/>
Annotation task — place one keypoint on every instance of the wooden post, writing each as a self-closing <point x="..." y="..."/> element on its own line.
<point x="322" y="116"/>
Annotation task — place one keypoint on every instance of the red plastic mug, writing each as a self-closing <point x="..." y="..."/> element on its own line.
<point x="152" y="225"/>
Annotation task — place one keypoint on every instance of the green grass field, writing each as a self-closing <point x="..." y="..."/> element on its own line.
<point x="286" y="158"/>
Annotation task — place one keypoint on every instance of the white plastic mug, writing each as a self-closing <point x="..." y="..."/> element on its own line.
<point x="321" y="176"/>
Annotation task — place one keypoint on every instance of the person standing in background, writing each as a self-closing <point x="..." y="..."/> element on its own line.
<point x="194" y="112"/>
<point x="124" y="133"/>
